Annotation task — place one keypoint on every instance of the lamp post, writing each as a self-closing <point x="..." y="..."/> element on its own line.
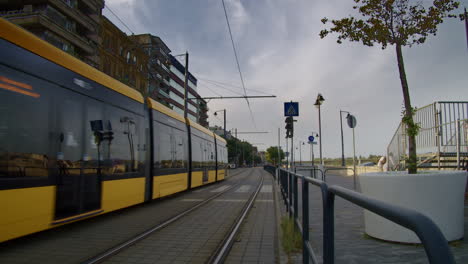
<point x="312" y="152"/>
<point x="343" y="163"/>
<point x="224" y="110"/>
<point x="318" y="103"/>
<point x="351" y="120"/>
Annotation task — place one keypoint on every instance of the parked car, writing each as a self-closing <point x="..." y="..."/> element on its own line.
<point x="231" y="165"/>
<point x="368" y="164"/>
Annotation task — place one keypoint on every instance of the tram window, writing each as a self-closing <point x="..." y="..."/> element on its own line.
<point x="180" y="155"/>
<point x="121" y="155"/>
<point x="69" y="152"/>
<point x="24" y="126"/>
<point x="94" y="143"/>
<point x="197" y="152"/>
<point x="163" y="147"/>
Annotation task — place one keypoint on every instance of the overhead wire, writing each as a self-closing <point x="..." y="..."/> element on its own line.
<point x="227" y="89"/>
<point x="136" y="44"/>
<point x="238" y="65"/>
<point x="123" y="23"/>
<point x="218" y="83"/>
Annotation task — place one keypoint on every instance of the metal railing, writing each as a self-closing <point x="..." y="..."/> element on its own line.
<point x="434" y="242"/>
<point x="437" y="136"/>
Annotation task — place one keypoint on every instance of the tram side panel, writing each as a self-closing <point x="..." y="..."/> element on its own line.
<point x="55" y="165"/>
<point x="221" y="158"/>
<point x="170" y="151"/>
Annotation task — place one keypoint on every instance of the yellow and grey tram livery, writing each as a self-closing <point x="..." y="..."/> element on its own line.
<point x="76" y="143"/>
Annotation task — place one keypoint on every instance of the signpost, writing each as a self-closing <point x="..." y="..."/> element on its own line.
<point x="312" y="143"/>
<point x="351" y="120"/>
<point x="291" y="109"/>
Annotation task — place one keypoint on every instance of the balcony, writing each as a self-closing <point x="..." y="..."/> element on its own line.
<point x="32" y="19"/>
<point x="74" y="14"/>
<point x="164" y="93"/>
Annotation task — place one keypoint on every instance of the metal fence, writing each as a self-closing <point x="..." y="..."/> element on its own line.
<point x="434" y="242"/>
<point x="443" y="131"/>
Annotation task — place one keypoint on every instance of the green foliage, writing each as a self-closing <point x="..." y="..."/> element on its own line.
<point x="390" y="22"/>
<point x="291" y="239"/>
<point x="238" y="151"/>
<point x="272" y="155"/>
<point x="412" y="128"/>
<point x="399" y="23"/>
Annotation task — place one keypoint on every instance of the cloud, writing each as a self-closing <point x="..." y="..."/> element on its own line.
<point x="281" y="53"/>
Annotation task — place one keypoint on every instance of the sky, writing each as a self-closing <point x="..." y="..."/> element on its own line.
<point x="280" y="53"/>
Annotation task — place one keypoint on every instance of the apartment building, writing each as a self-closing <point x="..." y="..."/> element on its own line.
<point x="197" y="108"/>
<point x="158" y="66"/>
<point x="123" y="58"/>
<point x="70" y="25"/>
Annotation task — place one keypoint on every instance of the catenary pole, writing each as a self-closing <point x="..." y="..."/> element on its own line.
<point x="186" y="84"/>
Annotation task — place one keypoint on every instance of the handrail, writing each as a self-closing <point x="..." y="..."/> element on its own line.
<point x="434" y="242"/>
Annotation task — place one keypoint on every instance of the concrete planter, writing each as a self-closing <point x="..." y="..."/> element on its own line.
<point x="437" y="194"/>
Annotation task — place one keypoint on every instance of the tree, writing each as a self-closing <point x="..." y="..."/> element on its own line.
<point x="239" y="151"/>
<point x="399" y="23"/>
<point x="272" y="155"/>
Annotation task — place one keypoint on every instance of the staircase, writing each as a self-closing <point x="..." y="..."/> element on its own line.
<point x="442" y="142"/>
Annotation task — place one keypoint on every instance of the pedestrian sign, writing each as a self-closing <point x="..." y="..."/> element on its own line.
<point x="311" y="138"/>
<point x="291" y="109"/>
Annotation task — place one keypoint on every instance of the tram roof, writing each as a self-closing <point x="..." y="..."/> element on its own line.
<point x="165" y="110"/>
<point x="29" y="41"/>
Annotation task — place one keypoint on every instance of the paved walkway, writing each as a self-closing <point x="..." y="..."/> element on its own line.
<point x="257" y="241"/>
<point x="353" y="246"/>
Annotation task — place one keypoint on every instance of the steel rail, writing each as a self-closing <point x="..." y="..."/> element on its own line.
<point x="123" y="245"/>
<point x="226" y="245"/>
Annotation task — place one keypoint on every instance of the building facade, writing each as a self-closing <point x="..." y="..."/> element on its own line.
<point x="142" y="62"/>
<point x="70" y="25"/>
<point x="122" y="57"/>
<point x="197" y="108"/>
<point x="158" y="66"/>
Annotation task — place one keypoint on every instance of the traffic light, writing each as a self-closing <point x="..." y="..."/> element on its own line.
<point x="289" y="126"/>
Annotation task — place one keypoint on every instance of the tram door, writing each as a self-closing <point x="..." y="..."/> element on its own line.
<point x="78" y="181"/>
<point x="204" y="147"/>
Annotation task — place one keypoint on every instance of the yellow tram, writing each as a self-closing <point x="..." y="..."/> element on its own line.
<point x="76" y="143"/>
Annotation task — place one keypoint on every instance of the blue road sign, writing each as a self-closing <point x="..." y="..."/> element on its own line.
<point x="311" y="138"/>
<point x="291" y="109"/>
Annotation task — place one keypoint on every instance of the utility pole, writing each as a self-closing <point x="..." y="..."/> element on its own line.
<point x="279" y="147"/>
<point x="343" y="163"/>
<point x="318" y="103"/>
<point x="287" y="156"/>
<point x="320" y="133"/>
<point x="225" y="136"/>
<point x="186" y="84"/>
<point x="300" y="153"/>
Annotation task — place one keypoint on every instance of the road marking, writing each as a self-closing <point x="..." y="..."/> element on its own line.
<point x="192" y="200"/>
<point x="230" y="200"/>
<point x="266" y="189"/>
<point x="243" y="188"/>
<point x="221" y="188"/>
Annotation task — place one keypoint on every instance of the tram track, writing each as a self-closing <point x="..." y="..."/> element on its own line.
<point x="221" y="253"/>
<point x="115" y="250"/>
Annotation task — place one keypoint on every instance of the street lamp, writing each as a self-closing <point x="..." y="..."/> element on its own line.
<point x="318" y="103"/>
<point x="343" y="163"/>
<point x="224" y="110"/>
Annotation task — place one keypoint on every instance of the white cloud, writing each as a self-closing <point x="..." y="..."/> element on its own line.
<point x="281" y="53"/>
